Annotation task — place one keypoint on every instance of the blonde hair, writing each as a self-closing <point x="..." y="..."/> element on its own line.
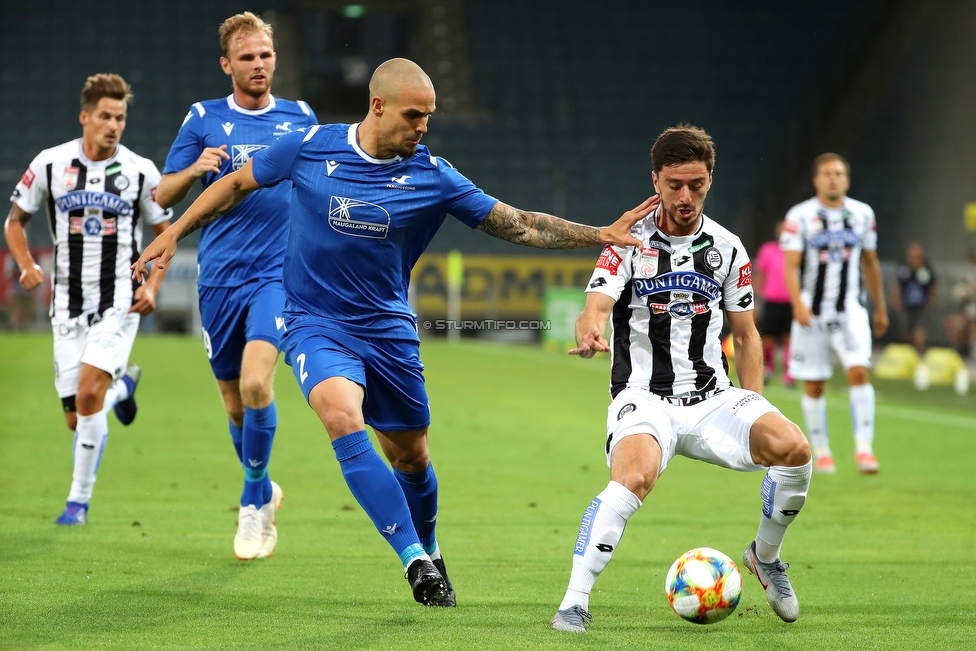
<point x="102" y="85"/>
<point x="828" y="157"/>
<point x="245" y="22"/>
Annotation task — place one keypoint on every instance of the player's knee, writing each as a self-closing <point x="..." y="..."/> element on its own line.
<point x="638" y="480"/>
<point x="89" y="399"/>
<point x="256" y="392"/>
<point x="793" y="448"/>
<point x="339" y="421"/>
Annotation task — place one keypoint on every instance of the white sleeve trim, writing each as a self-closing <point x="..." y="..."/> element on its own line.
<point x="200" y="110"/>
<point x="311" y="132"/>
<point x="302" y="105"/>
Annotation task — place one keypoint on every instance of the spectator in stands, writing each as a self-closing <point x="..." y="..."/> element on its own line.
<point x="914" y="292"/>
<point x="776" y="314"/>
<point x="961" y="325"/>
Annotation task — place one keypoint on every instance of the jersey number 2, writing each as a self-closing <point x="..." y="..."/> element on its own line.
<point x="302" y="375"/>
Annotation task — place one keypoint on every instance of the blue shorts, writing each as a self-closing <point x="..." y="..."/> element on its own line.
<point x="233" y="316"/>
<point x="389" y="370"/>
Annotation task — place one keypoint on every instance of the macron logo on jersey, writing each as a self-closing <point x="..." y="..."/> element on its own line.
<point x="331" y="166"/>
<point x="242" y="154"/>
<point x="228" y="127"/>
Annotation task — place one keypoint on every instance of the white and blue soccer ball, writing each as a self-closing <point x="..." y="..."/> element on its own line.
<point x="703" y="586"/>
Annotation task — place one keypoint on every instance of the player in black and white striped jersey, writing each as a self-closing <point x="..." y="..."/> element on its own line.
<point x="97" y="194"/>
<point x="669" y="382"/>
<point x="827" y="241"/>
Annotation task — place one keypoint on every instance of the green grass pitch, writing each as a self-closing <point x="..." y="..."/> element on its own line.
<point x="884" y="562"/>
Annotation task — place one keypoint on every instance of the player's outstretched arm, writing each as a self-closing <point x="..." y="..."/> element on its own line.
<point x="544" y="231"/>
<point x="591" y="325"/>
<point x="13" y="230"/>
<point x="219" y="199"/>
<point x="144" y="298"/>
<point x="748" y="350"/>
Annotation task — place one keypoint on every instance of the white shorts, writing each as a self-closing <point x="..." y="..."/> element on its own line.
<point x="847" y="333"/>
<point x="105" y="344"/>
<point x="715" y="430"/>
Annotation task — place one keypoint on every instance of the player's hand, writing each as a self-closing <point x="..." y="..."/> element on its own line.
<point x="618" y="233"/>
<point x="162" y="249"/>
<point x="210" y="160"/>
<point x="591" y="344"/>
<point x="802" y="315"/>
<point x="880" y="322"/>
<point x="145" y="300"/>
<point x="31" y="277"/>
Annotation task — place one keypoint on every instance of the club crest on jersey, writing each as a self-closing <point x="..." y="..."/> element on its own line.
<point x="119" y="182"/>
<point x="680" y="307"/>
<point x="647" y="263"/>
<point x="70" y="178"/>
<point x="713" y="258"/>
<point x="358" y="218"/>
<point x="242" y="153"/>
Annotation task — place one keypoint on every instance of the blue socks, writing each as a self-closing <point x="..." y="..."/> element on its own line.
<point x="236" y="437"/>
<point x="420" y="489"/>
<point x="373" y="486"/>
<point x="257" y="436"/>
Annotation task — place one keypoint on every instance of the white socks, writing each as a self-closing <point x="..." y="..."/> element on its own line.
<point x="862" y="415"/>
<point x="600" y="532"/>
<point x="784" y="491"/>
<point x="815" y="416"/>
<point x="90" y="438"/>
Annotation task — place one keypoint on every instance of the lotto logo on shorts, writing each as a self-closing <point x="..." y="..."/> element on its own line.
<point x="28" y="178"/>
<point x="745" y="275"/>
<point x="609" y="260"/>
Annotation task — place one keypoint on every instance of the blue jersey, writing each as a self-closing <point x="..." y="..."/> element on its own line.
<point x="248" y="242"/>
<point x="358" y="225"/>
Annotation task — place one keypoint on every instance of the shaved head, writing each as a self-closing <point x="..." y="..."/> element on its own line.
<point x="395" y="78"/>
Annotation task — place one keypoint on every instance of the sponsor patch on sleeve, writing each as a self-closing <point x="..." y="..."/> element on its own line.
<point x="790" y="227"/>
<point x="28" y="178"/>
<point x="745" y="275"/>
<point x="609" y="260"/>
<point x="152" y="193"/>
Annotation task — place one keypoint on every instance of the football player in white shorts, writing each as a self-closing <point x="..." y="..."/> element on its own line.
<point x="832" y="237"/>
<point x="97" y="194"/>
<point x="671" y="393"/>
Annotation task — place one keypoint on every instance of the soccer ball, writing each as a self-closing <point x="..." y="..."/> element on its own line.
<point x="703" y="586"/>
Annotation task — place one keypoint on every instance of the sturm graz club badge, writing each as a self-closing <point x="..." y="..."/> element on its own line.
<point x="713" y="258"/>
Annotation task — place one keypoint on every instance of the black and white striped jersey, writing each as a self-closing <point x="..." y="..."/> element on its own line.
<point x="667" y="320"/>
<point x="831" y="240"/>
<point x="95" y="214"/>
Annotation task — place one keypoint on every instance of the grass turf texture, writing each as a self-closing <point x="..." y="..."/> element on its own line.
<point x="884" y="562"/>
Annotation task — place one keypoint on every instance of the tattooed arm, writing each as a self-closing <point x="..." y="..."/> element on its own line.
<point x="544" y="231"/>
<point x="217" y="200"/>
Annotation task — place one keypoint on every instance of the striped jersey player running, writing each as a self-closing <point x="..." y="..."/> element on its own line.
<point x="97" y="194"/>
<point x="826" y="242"/>
<point x="669" y="383"/>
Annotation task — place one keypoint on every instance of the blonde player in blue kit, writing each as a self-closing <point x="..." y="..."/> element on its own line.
<point x="240" y="258"/>
<point x="367" y="200"/>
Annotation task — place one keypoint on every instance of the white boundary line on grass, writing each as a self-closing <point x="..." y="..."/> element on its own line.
<point x="930" y="417"/>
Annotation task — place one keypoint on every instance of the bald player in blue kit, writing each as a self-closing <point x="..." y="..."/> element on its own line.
<point x="367" y="200"/>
